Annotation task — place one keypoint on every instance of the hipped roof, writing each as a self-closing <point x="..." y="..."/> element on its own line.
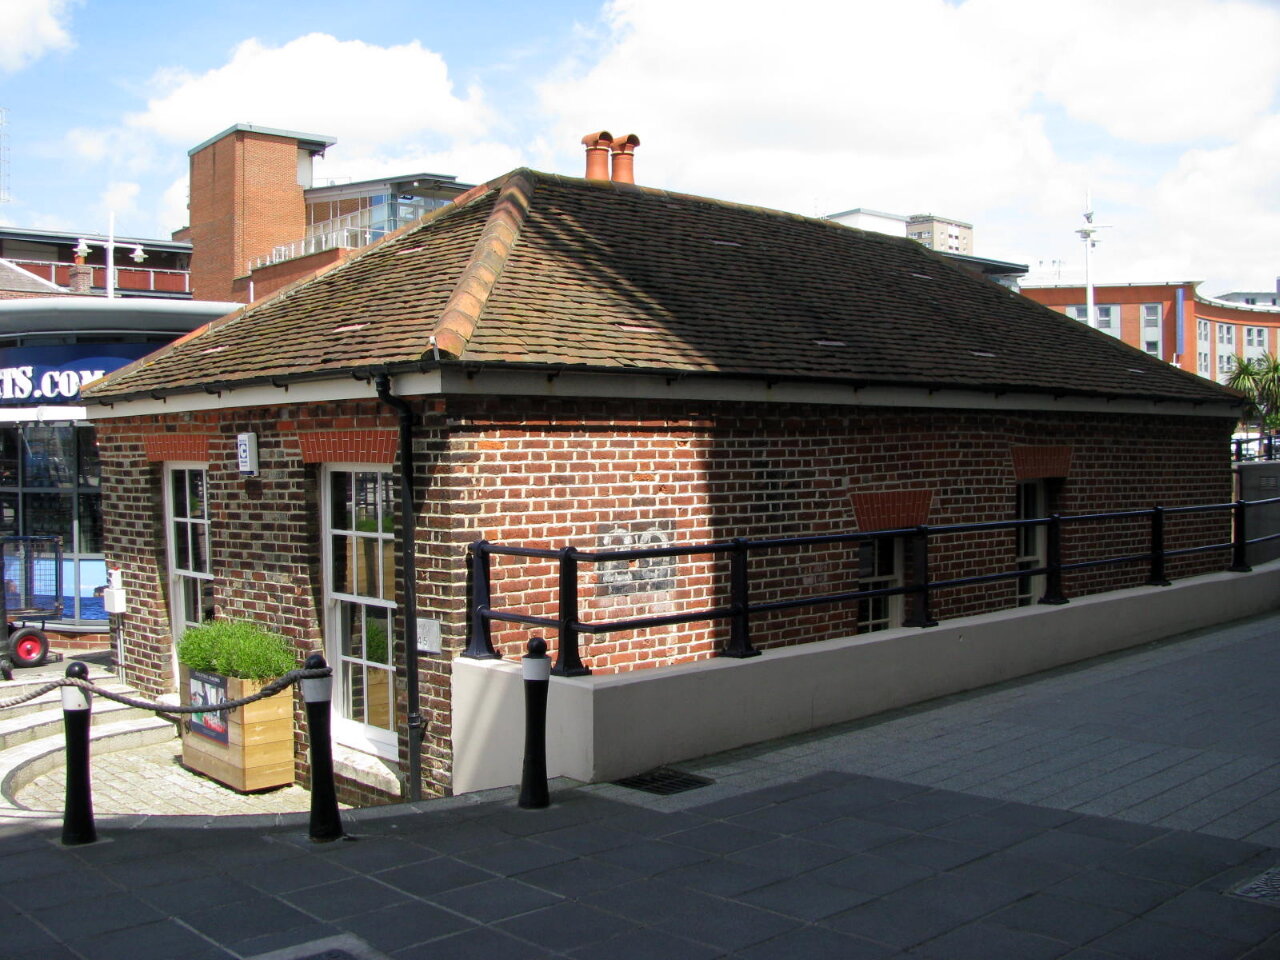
<point x="540" y="269"/>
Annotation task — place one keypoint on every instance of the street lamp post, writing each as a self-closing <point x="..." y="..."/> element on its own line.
<point x="1086" y="234"/>
<point x="82" y="250"/>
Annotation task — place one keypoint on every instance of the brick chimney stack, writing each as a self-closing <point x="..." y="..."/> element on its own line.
<point x="80" y="278"/>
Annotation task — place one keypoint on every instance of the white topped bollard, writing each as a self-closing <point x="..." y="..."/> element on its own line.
<point x="317" y="692"/>
<point x="536" y="668"/>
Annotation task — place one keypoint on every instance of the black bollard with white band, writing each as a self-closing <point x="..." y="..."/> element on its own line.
<point x="536" y="667"/>
<point x="77" y="815"/>
<point x="326" y="823"/>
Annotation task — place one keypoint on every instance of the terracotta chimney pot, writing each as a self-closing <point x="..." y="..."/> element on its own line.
<point x="624" y="159"/>
<point x="597" y="145"/>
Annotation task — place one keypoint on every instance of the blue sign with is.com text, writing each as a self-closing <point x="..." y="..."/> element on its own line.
<point x="55" y="374"/>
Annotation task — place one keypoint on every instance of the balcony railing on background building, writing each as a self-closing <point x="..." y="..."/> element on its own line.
<point x="918" y="592"/>
<point x="1266" y="447"/>
<point x="127" y="278"/>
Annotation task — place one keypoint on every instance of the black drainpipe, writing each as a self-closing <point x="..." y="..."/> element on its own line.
<point x="408" y="564"/>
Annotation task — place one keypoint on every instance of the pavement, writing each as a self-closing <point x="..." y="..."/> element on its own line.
<point x="1124" y="808"/>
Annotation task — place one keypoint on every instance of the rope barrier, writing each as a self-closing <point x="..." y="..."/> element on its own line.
<point x="274" y="687"/>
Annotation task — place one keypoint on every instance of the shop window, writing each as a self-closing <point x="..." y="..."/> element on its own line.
<point x="49" y="485"/>
<point x="359" y="507"/>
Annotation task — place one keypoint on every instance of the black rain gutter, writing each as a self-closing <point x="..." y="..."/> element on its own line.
<point x="409" y="586"/>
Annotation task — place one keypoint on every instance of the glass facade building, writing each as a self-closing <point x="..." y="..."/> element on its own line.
<point x="50" y="479"/>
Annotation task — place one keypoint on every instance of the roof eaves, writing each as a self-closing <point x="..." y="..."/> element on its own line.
<point x="458" y="319"/>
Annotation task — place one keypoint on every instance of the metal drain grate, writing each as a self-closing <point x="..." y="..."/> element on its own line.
<point x="664" y="781"/>
<point x="1264" y="887"/>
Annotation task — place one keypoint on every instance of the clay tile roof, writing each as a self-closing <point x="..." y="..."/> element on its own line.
<point x="543" y="269"/>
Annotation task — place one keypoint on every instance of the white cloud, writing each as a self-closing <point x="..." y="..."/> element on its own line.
<point x="359" y="92"/>
<point x="31" y="28"/>
<point x="392" y="110"/>
<point x="999" y="112"/>
<point x="120" y="197"/>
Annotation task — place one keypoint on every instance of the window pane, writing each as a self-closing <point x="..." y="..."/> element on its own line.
<point x="389" y="503"/>
<point x="178" y="492"/>
<point x="377" y="643"/>
<point x="366" y="505"/>
<point x="365" y="564"/>
<point x="378" y="692"/>
<point x="195" y="493"/>
<point x="387" y="569"/>
<point x="90" y="522"/>
<point x="199" y="547"/>
<point x="8" y="514"/>
<point x="9" y="457"/>
<point x="49" y="514"/>
<point x="340" y="498"/>
<point x="90" y="464"/>
<point x="352" y="629"/>
<point x="182" y="549"/>
<point x="48" y="456"/>
<point x="341" y="572"/>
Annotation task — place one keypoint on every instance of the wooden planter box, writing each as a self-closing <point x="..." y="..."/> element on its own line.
<point x="252" y="747"/>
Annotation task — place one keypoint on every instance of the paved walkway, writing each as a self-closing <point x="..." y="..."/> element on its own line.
<point x="1107" y="811"/>
<point x="152" y="780"/>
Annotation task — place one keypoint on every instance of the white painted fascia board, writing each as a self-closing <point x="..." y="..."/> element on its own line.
<point x="505" y="381"/>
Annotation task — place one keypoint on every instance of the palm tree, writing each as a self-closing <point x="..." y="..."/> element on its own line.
<point x="1258" y="379"/>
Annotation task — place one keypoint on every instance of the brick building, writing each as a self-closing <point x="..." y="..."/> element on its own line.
<point x="551" y="361"/>
<point x="1174" y="322"/>
<point x="259" y="222"/>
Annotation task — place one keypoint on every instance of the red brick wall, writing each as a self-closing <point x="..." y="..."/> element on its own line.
<point x="245" y="199"/>
<point x="598" y="474"/>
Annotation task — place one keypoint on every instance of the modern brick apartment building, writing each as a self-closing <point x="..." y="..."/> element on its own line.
<point x="552" y="361"/>
<point x="1176" y="323"/>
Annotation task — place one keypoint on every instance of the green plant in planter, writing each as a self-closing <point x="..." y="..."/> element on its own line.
<point x="235" y="648"/>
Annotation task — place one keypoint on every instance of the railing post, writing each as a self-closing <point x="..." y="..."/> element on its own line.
<point x="326" y="823"/>
<point x="1053" y="552"/>
<point x="1239" y="540"/>
<point x="535" y="666"/>
<point x="77" y="815"/>
<point x="568" y="662"/>
<point x="739" y="645"/>
<point x="480" y="635"/>
<point x="921" y="615"/>
<point x="1157" y="576"/>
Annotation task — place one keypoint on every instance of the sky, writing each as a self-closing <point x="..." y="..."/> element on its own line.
<point x="1011" y="115"/>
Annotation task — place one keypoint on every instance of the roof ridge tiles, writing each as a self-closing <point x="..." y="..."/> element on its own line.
<point x="461" y="313"/>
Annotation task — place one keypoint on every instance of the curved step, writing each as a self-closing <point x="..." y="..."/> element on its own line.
<point x="47" y="722"/>
<point x="21" y="764"/>
<point x="21" y="685"/>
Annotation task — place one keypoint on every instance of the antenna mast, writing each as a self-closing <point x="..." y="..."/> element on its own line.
<point x="4" y="160"/>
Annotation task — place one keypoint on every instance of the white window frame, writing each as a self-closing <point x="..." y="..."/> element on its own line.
<point x="1255" y="337"/>
<point x="880" y="613"/>
<point x="1203" y="333"/>
<point x="1112" y="325"/>
<point x="1030" y="503"/>
<point x="183" y="579"/>
<point x="351" y="731"/>
<point x="1227" y="336"/>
